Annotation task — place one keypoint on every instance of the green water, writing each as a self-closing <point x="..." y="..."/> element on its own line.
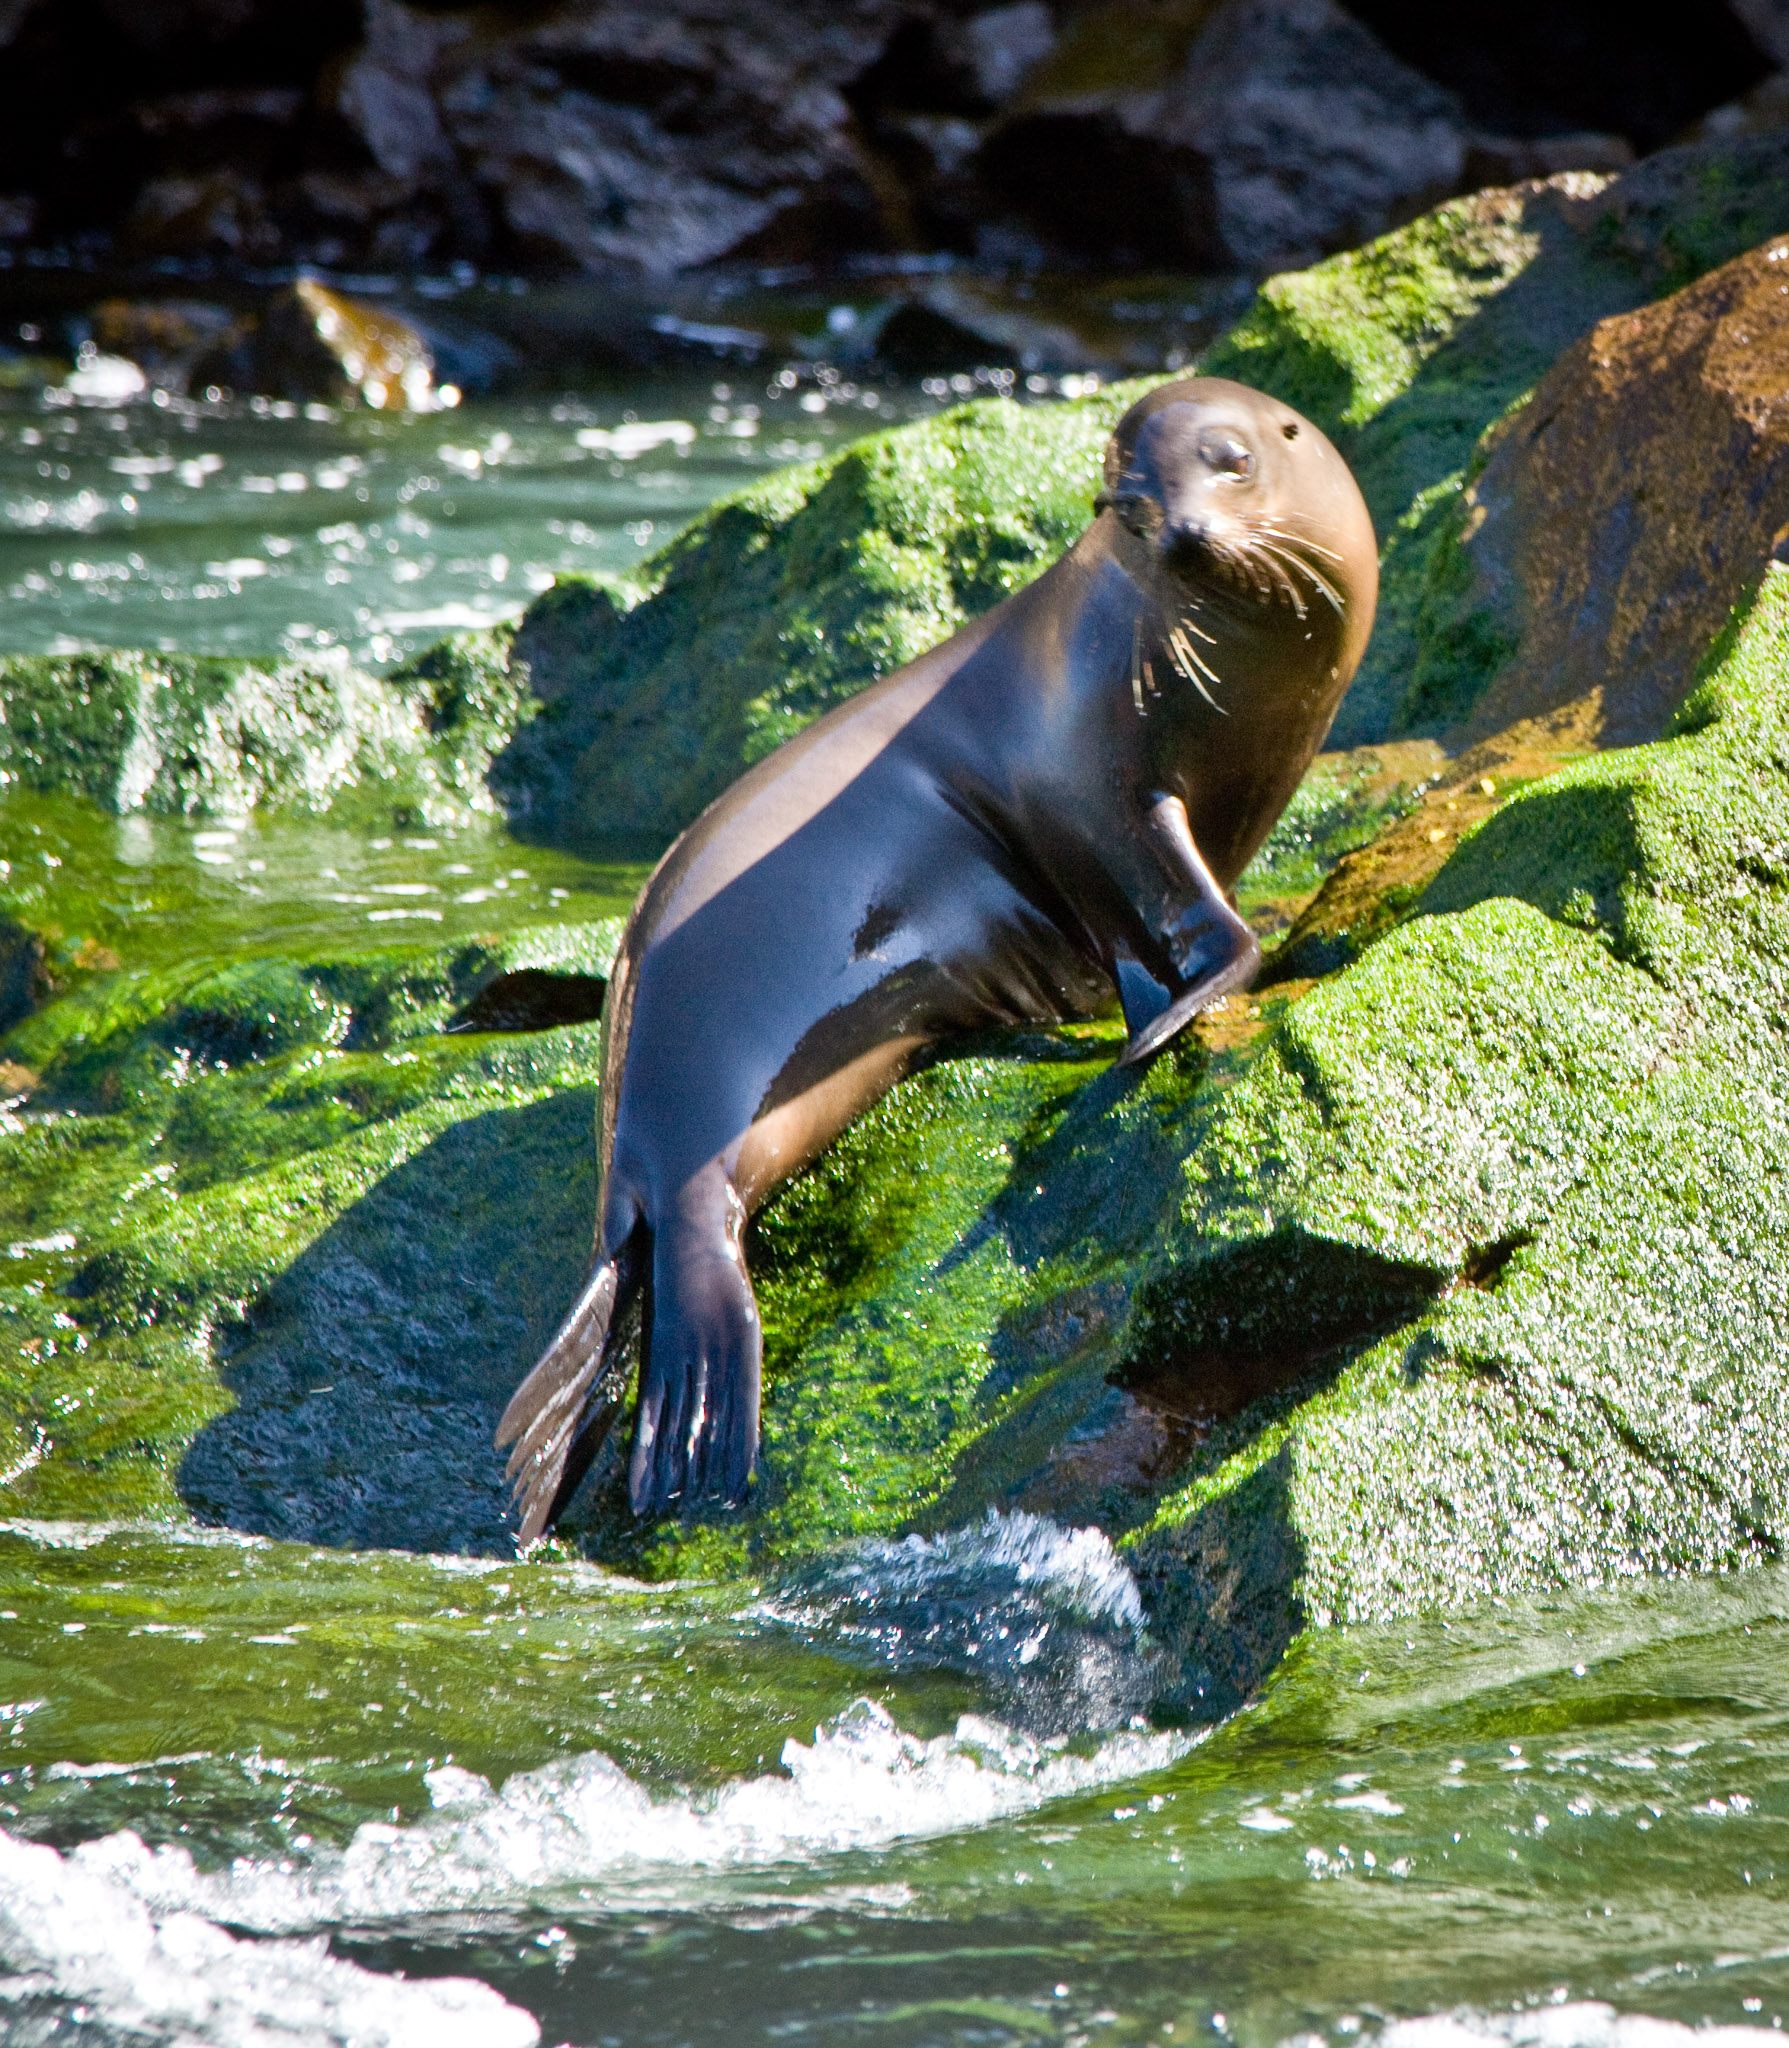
<point x="249" y="526"/>
<point x="1586" y="1801"/>
<point x="158" y="891"/>
<point x="255" y="1791"/>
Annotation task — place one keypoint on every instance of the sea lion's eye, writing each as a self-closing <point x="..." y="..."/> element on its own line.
<point x="1226" y="454"/>
<point x="1290" y="430"/>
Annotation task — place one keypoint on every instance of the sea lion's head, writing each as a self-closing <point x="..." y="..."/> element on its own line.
<point x="1217" y="492"/>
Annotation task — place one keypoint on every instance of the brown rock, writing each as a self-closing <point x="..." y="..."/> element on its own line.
<point x="1257" y="134"/>
<point x="317" y="343"/>
<point x="1627" y="506"/>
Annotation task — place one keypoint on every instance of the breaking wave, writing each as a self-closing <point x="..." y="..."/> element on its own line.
<point x="863" y="1783"/>
<point x="1050" y="1618"/>
<point x="74" y="1938"/>
<point x="1583" y="2023"/>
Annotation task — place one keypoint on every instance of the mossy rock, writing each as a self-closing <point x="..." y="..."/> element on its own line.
<point x="282" y="1237"/>
<point x="213" y="734"/>
<point x="1457" y="1273"/>
<point x="801" y="590"/>
<point x="1459" y="1280"/>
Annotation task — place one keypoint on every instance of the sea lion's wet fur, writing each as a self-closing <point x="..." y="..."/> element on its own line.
<point x="1051" y="804"/>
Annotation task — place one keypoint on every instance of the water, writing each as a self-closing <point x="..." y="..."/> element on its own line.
<point x="246" y="526"/>
<point x="674" y="1814"/>
<point x="253" y="1792"/>
<point x="143" y="888"/>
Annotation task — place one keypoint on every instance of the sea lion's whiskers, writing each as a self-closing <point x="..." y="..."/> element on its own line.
<point x="1318" y="580"/>
<point x="1274" y="565"/>
<point x="1186" y="659"/>
<point x="1296" y="540"/>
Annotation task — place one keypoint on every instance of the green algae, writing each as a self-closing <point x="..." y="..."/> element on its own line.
<point x="1487" y="1227"/>
<point x="782" y="602"/>
<point x="1486" y="1224"/>
<point x="211" y="734"/>
<point x="230" y="1124"/>
<point x="1559" y="1089"/>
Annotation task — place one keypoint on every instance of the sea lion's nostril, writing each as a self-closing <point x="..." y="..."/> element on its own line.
<point x="1183" y="542"/>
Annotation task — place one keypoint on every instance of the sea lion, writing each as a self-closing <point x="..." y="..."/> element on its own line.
<point x="1050" y="805"/>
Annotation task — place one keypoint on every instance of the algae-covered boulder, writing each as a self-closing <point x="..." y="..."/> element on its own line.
<point x="791" y="596"/>
<point x="1463" y="1276"/>
<point x="284" y="1229"/>
<point x="1559" y="1095"/>
<point x="210" y="733"/>
<point x="782" y="602"/>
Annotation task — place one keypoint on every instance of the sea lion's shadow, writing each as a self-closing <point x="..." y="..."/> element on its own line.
<point x="370" y="1376"/>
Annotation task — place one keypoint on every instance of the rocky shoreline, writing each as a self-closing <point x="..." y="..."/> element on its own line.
<point x="1449" y="1264"/>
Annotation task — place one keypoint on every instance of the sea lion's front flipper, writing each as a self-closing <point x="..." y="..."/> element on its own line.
<point x="1212" y="949"/>
<point x="696" y="1435"/>
<point x="560" y="1414"/>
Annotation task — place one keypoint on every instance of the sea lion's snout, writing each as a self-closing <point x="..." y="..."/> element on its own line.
<point x="1187" y="483"/>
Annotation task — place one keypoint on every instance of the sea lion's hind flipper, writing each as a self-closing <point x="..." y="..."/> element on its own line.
<point x="558" y="1417"/>
<point x="1212" y="948"/>
<point x="696" y="1434"/>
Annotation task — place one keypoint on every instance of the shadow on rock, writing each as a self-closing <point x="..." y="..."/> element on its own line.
<point x="371" y="1375"/>
<point x="1222" y="1592"/>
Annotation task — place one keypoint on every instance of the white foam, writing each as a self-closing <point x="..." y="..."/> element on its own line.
<point x="68" y="1931"/>
<point x="1049" y="1616"/>
<point x="862" y="1783"/>
<point x="1078" y="1567"/>
<point x="1583" y="2023"/>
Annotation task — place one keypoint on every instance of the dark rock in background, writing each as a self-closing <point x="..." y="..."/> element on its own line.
<point x="1286" y="130"/>
<point x="633" y="143"/>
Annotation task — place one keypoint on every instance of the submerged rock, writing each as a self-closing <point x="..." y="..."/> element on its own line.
<point x="312" y="342"/>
